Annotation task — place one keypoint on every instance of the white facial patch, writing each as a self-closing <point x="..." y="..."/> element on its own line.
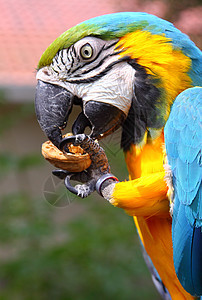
<point x="114" y="88"/>
<point x="105" y="77"/>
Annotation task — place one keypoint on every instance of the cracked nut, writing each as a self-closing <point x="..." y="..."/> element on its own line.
<point x="74" y="161"/>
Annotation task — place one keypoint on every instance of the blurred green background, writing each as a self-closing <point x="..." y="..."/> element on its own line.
<point x="54" y="245"/>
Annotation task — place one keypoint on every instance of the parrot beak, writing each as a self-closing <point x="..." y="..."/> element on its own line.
<point x="101" y="117"/>
<point x="53" y="104"/>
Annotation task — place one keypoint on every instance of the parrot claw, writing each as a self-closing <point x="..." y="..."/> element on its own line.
<point x="60" y="173"/>
<point x="76" y="140"/>
<point x="89" y="177"/>
<point x="83" y="190"/>
<point x="80" y="138"/>
<point x="67" y="141"/>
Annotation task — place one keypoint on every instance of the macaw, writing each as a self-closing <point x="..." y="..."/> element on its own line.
<point x="139" y="72"/>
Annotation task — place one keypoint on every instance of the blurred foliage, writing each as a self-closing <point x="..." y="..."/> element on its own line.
<point x="9" y="161"/>
<point x="10" y="115"/>
<point x="98" y="256"/>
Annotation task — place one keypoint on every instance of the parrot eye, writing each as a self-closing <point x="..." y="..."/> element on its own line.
<point x="86" y="51"/>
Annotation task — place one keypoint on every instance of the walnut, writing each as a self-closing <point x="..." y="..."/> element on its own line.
<point x="73" y="161"/>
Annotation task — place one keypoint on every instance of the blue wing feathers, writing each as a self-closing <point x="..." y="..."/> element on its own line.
<point x="183" y="132"/>
<point x="197" y="257"/>
<point x="186" y="153"/>
<point x="189" y="177"/>
<point x="194" y="211"/>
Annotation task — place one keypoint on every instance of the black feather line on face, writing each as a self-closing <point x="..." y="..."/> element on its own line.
<point x="99" y="75"/>
<point x="143" y="112"/>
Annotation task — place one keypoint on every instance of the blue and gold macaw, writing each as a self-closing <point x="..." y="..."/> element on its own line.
<point x="137" y="71"/>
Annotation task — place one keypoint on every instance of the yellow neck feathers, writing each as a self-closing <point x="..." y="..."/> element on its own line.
<point x="155" y="53"/>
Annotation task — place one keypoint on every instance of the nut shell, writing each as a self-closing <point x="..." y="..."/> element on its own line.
<point x="76" y="161"/>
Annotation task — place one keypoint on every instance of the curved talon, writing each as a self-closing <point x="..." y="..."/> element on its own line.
<point x="66" y="141"/>
<point x="60" y="173"/>
<point x="69" y="186"/>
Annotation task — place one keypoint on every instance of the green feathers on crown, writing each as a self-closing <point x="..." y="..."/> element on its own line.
<point x="104" y="30"/>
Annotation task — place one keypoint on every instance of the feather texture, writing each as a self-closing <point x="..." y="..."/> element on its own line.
<point x="183" y="133"/>
<point x="117" y="25"/>
<point x="139" y="197"/>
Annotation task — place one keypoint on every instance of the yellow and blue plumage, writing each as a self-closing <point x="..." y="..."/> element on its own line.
<point x="138" y="66"/>
<point x="183" y="133"/>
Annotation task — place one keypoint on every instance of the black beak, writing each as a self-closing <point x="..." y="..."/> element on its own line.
<point x="53" y="104"/>
<point x="101" y="117"/>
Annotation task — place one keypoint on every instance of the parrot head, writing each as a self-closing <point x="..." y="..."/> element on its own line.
<point x="90" y="73"/>
<point x="122" y="69"/>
